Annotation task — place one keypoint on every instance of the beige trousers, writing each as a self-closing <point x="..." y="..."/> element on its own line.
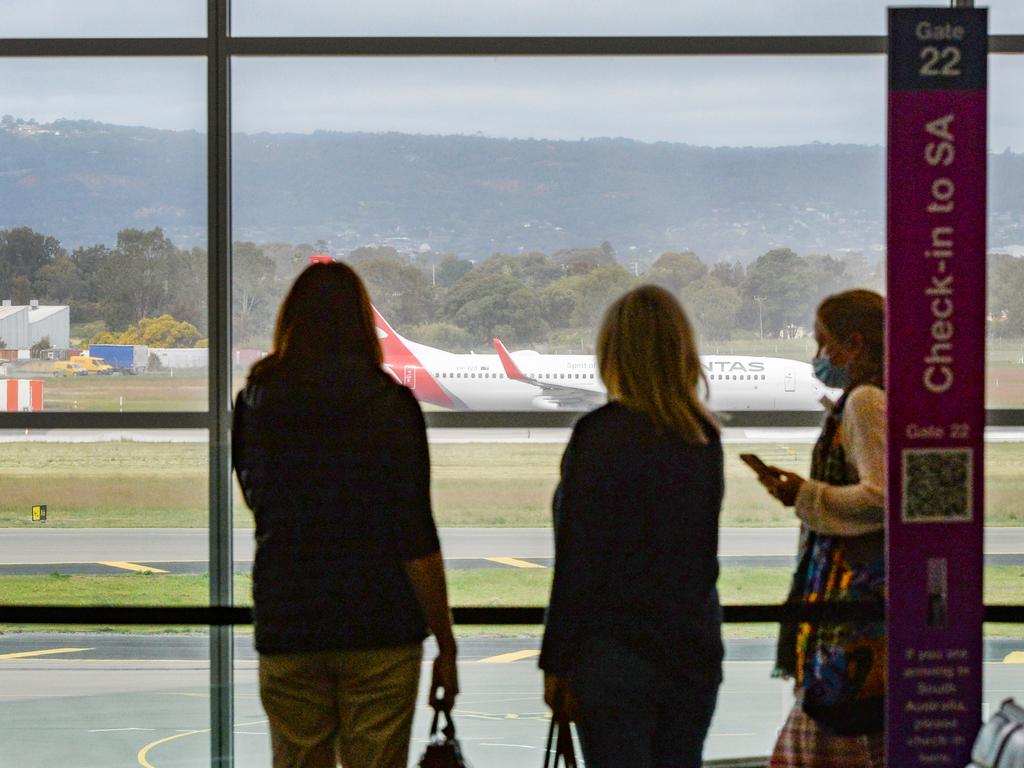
<point x="352" y="707"/>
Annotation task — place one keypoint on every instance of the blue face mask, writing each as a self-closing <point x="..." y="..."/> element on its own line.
<point x="830" y="375"/>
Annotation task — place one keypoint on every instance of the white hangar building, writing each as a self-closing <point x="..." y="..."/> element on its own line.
<point x="21" y="326"/>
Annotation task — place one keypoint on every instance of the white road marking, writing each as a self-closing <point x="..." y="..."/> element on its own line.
<point x="114" y="730"/>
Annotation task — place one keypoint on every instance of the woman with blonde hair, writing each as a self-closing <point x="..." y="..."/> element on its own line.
<point x="632" y="647"/>
<point x="839" y="669"/>
<point x="331" y="454"/>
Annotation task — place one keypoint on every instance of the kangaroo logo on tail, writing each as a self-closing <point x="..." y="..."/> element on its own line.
<point x="406" y="369"/>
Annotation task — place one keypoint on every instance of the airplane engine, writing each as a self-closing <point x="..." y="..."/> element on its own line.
<point x="544" y="404"/>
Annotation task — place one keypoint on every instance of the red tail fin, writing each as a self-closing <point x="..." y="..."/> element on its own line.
<point x="395" y="351"/>
<point x="511" y="369"/>
<point x="406" y="368"/>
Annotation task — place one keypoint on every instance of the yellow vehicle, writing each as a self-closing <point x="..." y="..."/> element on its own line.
<point x="63" y="368"/>
<point x="92" y="365"/>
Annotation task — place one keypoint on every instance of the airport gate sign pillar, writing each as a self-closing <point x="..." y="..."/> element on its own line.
<point x="935" y="352"/>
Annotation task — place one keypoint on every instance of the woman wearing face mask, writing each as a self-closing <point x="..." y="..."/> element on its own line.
<point x="839" y="669"/>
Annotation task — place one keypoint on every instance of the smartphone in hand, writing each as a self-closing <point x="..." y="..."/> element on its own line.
<point x="754" y="462"/>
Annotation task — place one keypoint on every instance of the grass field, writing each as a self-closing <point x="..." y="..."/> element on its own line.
<point x="484" y="587"/>
<point x="145" y="485"/>
<point x="126" y="393"/>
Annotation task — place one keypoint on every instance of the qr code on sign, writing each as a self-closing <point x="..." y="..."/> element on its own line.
<point x="937" y="485"/>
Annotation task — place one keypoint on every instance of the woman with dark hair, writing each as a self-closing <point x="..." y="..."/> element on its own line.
<point x="632" y="647"/>
<point x="839" y="669"/>
<point x="331" y="455"/>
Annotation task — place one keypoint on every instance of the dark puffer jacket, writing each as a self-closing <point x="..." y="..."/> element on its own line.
<point x="337" y="474"/>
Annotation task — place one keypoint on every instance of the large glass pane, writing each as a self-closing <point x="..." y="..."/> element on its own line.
<point x="1005" y="376"/>
<point x="514" y="199"/>
<point x="103" y="235"/>
<point x="103" y="517"/>
<point x="107" y="18"/>
<point x="533" y="17"/>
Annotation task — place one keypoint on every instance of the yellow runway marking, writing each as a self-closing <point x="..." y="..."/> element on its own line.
<point x="143" y="756"/>
<point x="144" y="752"/>
<point x="514" y="562"/>
<point x="133" y="566"/>
<point x="1017" y="657"/>
<point x="47" y="652"/>
<point x="507" y="658"/>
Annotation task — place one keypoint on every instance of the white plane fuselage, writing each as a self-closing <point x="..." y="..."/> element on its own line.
<point x="480" y="383"/>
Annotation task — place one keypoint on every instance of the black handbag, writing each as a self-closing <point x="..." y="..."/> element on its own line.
<point x="443" y="751"/>
<point x="562" y="743"/>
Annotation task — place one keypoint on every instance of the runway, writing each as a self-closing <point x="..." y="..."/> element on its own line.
<point x="168" y="545"/>
<point x="91" y="545"/>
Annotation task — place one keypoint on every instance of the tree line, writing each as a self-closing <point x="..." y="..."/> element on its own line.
<point x="146" y="286"/>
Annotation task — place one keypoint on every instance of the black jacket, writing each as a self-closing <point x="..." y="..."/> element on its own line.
<point x="337" y="474"/>
<point x="636" y="547"/>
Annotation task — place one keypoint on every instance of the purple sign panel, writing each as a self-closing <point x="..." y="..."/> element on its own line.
<point x="935" y="382"/>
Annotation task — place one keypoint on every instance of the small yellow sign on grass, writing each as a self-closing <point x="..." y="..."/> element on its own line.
<point x="39" y="513"/>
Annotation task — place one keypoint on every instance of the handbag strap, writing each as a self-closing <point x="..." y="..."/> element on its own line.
<point x="449" y="727"/>
<point x="562" y="744"/>
<point x="565" y="748"/>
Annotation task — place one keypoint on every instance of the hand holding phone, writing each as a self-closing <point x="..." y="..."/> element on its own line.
<point x="753" y="461"/>
<point x="781" y="484"/>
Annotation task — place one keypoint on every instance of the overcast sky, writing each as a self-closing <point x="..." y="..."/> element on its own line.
<point x="700" y="100"/>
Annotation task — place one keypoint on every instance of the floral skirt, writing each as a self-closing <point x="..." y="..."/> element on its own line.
<point x="803" y="744"/>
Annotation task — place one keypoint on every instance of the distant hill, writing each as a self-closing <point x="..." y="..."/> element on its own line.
<point x="82" y="181"/>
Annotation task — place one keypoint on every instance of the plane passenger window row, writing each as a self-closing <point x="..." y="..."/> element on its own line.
<point x="470" y="375"/>
<point x="553" y="376"/>
<point x="549" y="376"/>
<point x="736" y="377"/>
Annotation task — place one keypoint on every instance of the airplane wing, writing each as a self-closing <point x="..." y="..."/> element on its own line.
<point x="560" y="395"/>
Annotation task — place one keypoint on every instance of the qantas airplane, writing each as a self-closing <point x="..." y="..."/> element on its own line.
<point x="530" y="381"/>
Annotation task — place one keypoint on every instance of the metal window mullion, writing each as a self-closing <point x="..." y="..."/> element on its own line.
<point x="219" y="303"/>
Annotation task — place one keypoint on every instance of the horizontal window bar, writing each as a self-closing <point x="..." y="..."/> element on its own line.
<point x="107" y="420"/>
<point x="558" y="46"/>
<point x="747" y="45"/>
<point x="222" y="616"/>
<point x="104" y="46"/>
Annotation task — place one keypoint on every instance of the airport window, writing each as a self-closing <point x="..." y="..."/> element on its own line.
<point x="107" y="173"/>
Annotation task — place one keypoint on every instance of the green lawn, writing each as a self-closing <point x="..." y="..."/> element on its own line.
<point x="126" y="393"/>
<point x="480" y="587"/>
<point x="144" y="485"/>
